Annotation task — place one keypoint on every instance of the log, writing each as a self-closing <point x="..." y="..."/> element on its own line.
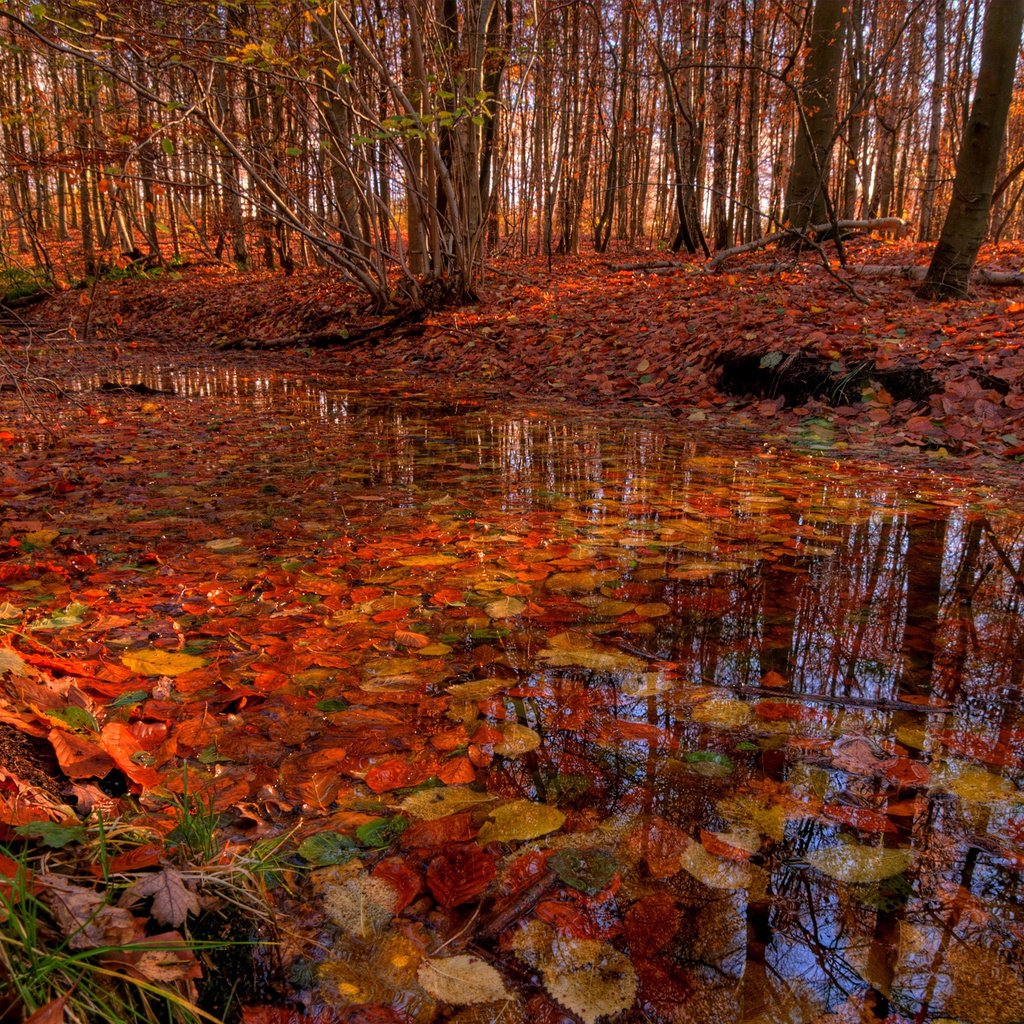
<point x="914" y="272"/>
<point x="878" y="224"/>
<point x="661" y="266"/>
<point x="327" y="339"/>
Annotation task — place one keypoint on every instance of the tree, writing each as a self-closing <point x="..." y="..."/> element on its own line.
<point x="808" y="180"/>
<point x="978" y="160"/>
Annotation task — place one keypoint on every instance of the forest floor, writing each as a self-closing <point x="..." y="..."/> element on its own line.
<point x="807" y="345"/>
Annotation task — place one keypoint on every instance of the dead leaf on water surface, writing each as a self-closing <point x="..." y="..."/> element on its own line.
<point x="857" y="865"/>
<point x="713" y="871"/>
<point x="225" y="545"/>
<point x="516" y="740"/>
<point x="592" y="658"/>
<point x="505" y="608"/>
<point x="583" y="582"/>
<point x="426" y="561"/>
<point x="521" y="819"/>
<point x="40" y="538"/>
<point x="462" y="980"/>
<point x="721" y="713"/>
<point x="975" y="785"/>
<point x="154" y="662"/>
<point x="431" y="804"/>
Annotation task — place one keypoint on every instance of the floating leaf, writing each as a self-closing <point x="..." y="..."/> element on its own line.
<point x="588" y="870"/>
<point x="722" y="713"/>
<point x="594" y="659"/>
<point x="225" y="545"/>
<point x="712" y="871"/>
<point x="426" y="561"/>
<point x="505" y="608"/>
<point x="434" y="803"/>
<point x="516" y="740"/>
<point x="584" y="582"/>
<point x="521" y="819"/>
<point x="154" y="662"/>
<point x="461" y="980"/>
<point x="856" y="864"/>
<point x="40" y="538"/>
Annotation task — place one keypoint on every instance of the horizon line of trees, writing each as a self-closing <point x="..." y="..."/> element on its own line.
<point x="404" y="141"/>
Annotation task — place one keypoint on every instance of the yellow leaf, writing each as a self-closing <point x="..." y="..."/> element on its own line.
<point x="431" y="804"/>
<point x="521" y="819"/>
<point x="425" y="561"/>
<point x="516" y="740"/>
<point x="721" y="712"/>
<point x="42" y="537"/>
<point x="461" y="980"/>
<point x="505" y="608"/>
<point x="152" y="662"/>
<point x="858" y="864"/>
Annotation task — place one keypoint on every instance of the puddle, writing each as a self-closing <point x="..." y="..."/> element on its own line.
<point x="592" y="714"/>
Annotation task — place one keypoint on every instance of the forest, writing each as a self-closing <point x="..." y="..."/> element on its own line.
<point x="405" y="145"/>
<point x="510" y="510"/>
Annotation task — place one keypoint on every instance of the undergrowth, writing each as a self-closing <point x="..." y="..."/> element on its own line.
<point x="113" y="922"/>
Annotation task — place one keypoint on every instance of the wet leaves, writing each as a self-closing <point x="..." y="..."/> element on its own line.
<point x="540" y="717"/>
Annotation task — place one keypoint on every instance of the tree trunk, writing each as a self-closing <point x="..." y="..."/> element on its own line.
<point x="967" y="217"/>
<point x="808" y="180"/>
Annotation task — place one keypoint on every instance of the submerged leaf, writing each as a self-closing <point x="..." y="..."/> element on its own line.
<point x="856" y="864"/>
<point x="516" y="740"/>
<point x="590" y="870"/>
<point x="461" y="980"/>
<point x="589" y="978"/>
<point x="430" y="804"/>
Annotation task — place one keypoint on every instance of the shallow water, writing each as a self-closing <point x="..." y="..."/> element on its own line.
<point x="770" y="703"/>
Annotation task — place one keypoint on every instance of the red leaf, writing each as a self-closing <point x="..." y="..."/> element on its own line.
<point x="453" y="828"/>
<point x="405" y="880"/>
<point x="460" y="874"/>
<point x="651" y="924"/>
<point x="862" y="818"/>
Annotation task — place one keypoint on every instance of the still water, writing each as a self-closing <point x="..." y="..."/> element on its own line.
<point x="575" y="713"/>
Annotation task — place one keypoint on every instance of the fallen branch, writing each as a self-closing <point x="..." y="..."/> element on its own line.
<point x="327" y="339"/>
<point x="879" y="224"/>
<point x="914" y="272"/>
<point x="647" y="268"/>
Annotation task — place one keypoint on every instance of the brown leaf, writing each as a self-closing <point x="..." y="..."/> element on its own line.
<point x="51" y="1013"/>
<point x="85" y="917"/>
<point x="173" y="900"/>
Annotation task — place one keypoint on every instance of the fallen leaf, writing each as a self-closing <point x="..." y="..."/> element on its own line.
<point x="461" y="980"/>
<point x="173" y="900"/>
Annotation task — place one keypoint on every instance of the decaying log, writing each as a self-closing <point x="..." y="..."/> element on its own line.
<point x="878" y="224"/>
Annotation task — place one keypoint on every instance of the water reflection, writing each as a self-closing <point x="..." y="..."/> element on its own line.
<point x="816" y="659"/>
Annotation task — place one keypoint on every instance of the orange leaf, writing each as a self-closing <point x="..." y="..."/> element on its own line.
<point x="407" y="638"/>
<point x="78" y="757"/>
